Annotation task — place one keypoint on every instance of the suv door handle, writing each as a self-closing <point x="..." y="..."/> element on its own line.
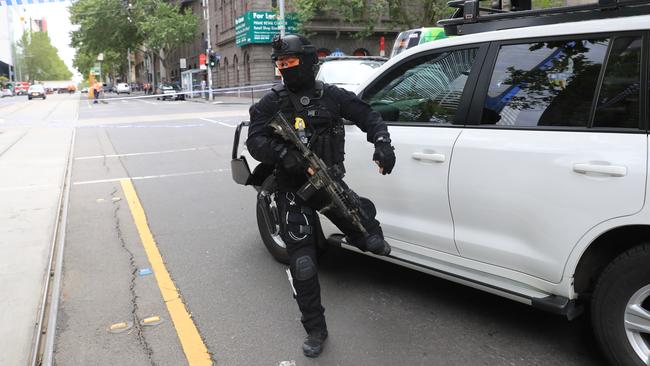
<point x="613" y="170"/>
<point x="437" y="158"/>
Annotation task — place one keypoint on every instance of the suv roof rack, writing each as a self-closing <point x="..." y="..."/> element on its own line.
<point x="471" y="18"/>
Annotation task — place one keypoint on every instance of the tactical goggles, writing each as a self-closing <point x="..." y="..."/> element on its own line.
<point x="285" y="62"/>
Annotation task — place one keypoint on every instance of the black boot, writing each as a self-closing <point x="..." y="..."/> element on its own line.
<point x="377" y="245"/>
<point x="313" y="345"/>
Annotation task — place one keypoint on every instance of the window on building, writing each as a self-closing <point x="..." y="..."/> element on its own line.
<point x="223" y="14"/>
<point x="545" y="83"/>
<point x="247" y="67"/>
<point x="233" y="9"/>
<point x="423" y="89"/>
<point x="361" y="52"/>
<point x="235" y="65"/>
<point x="323" y="52"/>
<point x="226" y="71"/>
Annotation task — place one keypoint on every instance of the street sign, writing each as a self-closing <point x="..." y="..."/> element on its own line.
<point x="96" y="69"/>
<point x="183" y="63"/>
<point x="261" y="26"/>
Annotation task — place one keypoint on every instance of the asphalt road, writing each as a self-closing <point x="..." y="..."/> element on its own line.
<point x="177" y="155"/>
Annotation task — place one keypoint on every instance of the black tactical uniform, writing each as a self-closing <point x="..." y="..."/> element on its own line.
<point x="318" y="110"/>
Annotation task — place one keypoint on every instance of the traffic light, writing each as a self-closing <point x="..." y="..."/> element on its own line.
<point x="212" y="61"/>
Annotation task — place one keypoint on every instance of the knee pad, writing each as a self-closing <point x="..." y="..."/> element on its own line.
<point x="305" y="268"/>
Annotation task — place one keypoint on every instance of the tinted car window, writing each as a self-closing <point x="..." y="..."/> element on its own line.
<point x="545" y="83"/>
<point x="618" y="101"/>
<point x="424" y="89"/>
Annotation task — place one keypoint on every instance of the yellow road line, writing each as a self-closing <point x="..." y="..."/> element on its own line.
<point x="195" y="350"/>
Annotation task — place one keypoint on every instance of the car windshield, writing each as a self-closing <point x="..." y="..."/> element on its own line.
<point x="36" y="88"/>
<point x="167" y="87"/>
<point x="347" y="71"/>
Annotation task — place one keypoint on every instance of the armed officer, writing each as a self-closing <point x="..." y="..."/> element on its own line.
<point x="317" y="110"/>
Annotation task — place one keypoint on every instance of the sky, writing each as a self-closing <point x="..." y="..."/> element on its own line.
<point x="58" y="26"/>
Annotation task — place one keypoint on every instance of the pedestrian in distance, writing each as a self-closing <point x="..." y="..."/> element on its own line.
<point x="318" y="110"/>
<point x="97" y="91"/>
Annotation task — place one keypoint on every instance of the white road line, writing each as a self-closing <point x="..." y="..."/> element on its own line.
<point x="221" y="123"/>
<point x="144" y="153"/>
<point x="146" y="101"/>
<point x="150" y="177"/>
<point x="124" y="101"/>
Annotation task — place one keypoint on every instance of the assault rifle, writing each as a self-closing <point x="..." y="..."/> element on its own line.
<point x="322" y="177"/>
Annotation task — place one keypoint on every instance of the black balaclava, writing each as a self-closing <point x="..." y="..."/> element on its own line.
<point x="299" y="78"/>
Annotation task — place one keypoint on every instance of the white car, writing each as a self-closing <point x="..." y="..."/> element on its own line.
<point x="36" y="91"/>
<point x="522" y="164"/>
<point x="348" y="72"/>
<point x="6" y="93"/>
<point x="123" y="88"/>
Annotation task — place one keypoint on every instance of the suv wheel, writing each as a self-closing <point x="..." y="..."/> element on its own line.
<point x="620" y="309"/>
<point x="269" y="226"/>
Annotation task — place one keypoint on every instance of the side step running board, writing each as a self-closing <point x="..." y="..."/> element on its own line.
<point x="552" y="303"/>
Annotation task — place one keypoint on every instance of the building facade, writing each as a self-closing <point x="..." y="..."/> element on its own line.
<point x="6" y="43"/>
<point x="249" y="63"/>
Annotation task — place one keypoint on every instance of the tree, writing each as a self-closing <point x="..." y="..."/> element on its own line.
<point x="103" y="25"/>
<point x="163" y="26"/>
<point x="39" y="59"/>
<point x="112" y="27"/>
<point x="403" y="14"/>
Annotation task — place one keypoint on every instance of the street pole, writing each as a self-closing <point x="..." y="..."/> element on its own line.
<point x="208" y="51"/>
<point x="100" y="58"/>
<point x="281" y="20"/>
<point x="128" y="72"/>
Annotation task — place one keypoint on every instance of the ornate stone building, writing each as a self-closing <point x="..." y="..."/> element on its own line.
<point x="248" y="63"/>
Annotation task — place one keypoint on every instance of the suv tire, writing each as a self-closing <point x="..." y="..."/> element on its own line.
<point x="623" y="287"/>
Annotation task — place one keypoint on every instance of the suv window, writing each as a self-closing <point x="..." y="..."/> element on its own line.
<point x="424" y="89"/>
<point x="618" y="100"/>
<point x="545" y="83"/>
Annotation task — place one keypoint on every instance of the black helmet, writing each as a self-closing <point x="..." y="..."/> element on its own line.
<point x="293" y="44"/>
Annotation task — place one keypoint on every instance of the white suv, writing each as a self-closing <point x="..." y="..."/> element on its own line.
<point x="522" y="161"/>
<point x="123" y="88"/>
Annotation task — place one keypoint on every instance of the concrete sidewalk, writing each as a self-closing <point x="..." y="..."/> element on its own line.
<point x="33" y="163"/>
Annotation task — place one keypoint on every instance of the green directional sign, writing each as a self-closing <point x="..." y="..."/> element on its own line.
<point x="261" y="26"/>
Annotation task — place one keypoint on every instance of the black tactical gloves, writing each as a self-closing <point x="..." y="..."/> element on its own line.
<point x="384" y="154"/>
<point x="292" y="161"/>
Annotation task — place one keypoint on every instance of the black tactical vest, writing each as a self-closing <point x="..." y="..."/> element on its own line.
<point x="324" y="127"/>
